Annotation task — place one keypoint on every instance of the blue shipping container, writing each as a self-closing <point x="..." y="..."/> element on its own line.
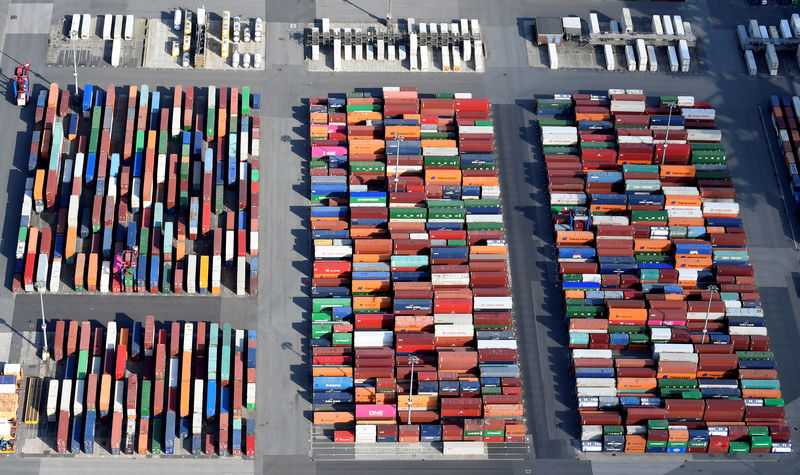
<point x="77" y="431"/>
<point x="169" y="433"/>
<point x="88" y="433"/>
<point x="211" y="399"/>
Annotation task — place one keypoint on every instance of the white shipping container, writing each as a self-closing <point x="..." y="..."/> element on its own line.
<point x="672" y="348"/>
<point x="771" y="57"/>
<point x="683" y="55"/>
<point x="679" y="25"/>
<point x="118" y="26"/>
<point x="626" y="21"/>
<point x="504" y="344"/>
<point x="657" y="29"/>
<point x="197" y="423"/>
<point x="598" y="392"/>
<point x="736" y="330"/>
<point x="191" y="274"/>
<point x="763" y="31"/>
<point x="373" y="338"/>
<point x="86" y="26"/>
<point x="251" y="394"/>
<point x="595" y="383"/>
<point x="773" y="32"/>
<point x="52" y="400"/>
<point x="116" y="52"/>
<point x="75" y="25"/>
<point x="461" y="279"/>
<point x="594" y="24"/>
<point x="795" y="23"/>
<point x="453" y="318"/>
<point x="699" y="114"/>
<point x="611" y="62"/>
<point x="128" y="27"/>
<point x="55" y="276"/>
<point x="463" y="448"/>
<point x="685" y="101"/>
<point x="106" y="27"/>
<point x="366" y="433"/>
<point x="552" y="52"/>
<point x="72" y="211"/>
<point x="627" y="106"/>
<point x="111" y="335"/>
<point x="475" y="129"/>
<point x="703" y="135"/>
<point x="188" y="335"/>
<point x="198" y="396"/>
<point x="77" y="402"/>
<point x="754" y="29"/>
<point x="679" y="357"/>
<point x="440" y="151"/>
<point x="630" y="57"/>
<point x="786" y="30"/>
<point x="338" y="252"/>
<point x="444" y="331"/>
<point x="229" y="245"/>
<point x="484" y="218"/>
<point x="105" y="277"/>
<point x="568" y="198"/>
<point x="216" y="269"/>
<point x="651" y="58"/>
<point x="119" y="396"/>
<point x="241" y="272"/>
<point x="581" y="353"/>
<point x="66" y="395"/>
<point x="641" y="54"/>
<point x="491" y="303"/>
<point x="731" y="209"/>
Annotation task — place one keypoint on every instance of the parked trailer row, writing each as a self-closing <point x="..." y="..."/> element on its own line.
<point x="410" y="295"/>
<point x="145" y="407"/>
<point x="666" y="328"/>
<point x="147" y="216"/>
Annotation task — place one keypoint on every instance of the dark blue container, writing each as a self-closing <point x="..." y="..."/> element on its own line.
<point x="154" y="271"/>
<point x="236" y="440"/>
<point x="141" y="271"/>
<point x="333" y="398"/>
<point x="232" y="162"/>
<point x="136" y="337"/>
<point x="405" y="305"/>
<point x="197" y="444"/>
<point x="91" y="164"/>
<point x="184" y="428"/>
<point x="448" y="387"/>
<point x="88" y="433"/>
<point x="77" y="431"/>
<point x="69" y="367"/>
<point x="169" y="433"/>
<point x="430" y="432"/>
<point x="325" y="292"/>
<point x="256" y="101"/>
<point x="130" y="241"/>
<point x="87" y="97"/>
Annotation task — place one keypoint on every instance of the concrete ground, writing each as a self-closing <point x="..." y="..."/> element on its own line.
<point x="280" y="313"/>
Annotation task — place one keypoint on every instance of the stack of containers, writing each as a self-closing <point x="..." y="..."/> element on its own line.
<point x="224" y="390"/>
<point x="645" y="224"/>
<point x="238" y="373"/>
<point x="186" y="380"/>
<point x="120" y="212"/>
<point x="784" y="112"/>
<point x="158" y="393"/>
<point x="410" y="266"/>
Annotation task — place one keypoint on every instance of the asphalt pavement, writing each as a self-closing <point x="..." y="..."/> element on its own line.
<point x="280" y="312"/>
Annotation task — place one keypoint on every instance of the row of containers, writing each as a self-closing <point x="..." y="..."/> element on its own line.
<point x="159" y="205"/>
<point x="784" y="112"/>
<point x="148" y="387"/>
<point x="666" y="328"/>
<point x="412" y="331"/>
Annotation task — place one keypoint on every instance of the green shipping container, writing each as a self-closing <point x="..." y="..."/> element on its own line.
<point x="144" y="238"/>
<point x="484" y="226"/>
<point x="343" y="339"/>
<point x="219" y="196"/>
<point x="739" y="448"/>
<point x="166" y="278"/>
<point x="245" y="100"/>
<point x="83" y="362"/>
<point x="157" y="434"/>
<point x="556" y="122"/>
<point x="144" y="400"/>
<point x="322" y="303"/>
<point x="657" y="424"/>
<point x="210" y="122"/>
<point x="367" y="167"/>
<point x="321" y="330"/>
<point x="364" y="108"/>
<point x="491" y="390"/>
<point x="407" y="213"/>
<point x="139" y="141"/>
<point x="163" y="140"/>
<point x="438" y="161"/>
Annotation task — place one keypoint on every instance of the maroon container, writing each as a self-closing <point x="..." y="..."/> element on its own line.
<point x="63" y="431"/>
<point x="72" y="337"/>
<point x="58" y="342"/>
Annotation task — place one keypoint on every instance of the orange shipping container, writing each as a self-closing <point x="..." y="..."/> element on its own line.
<point x="627" y="314"/>
<point x="683" y="171"/>
<point x="366" y="147"/>
<point x="80" y="268"/>
<point x="361" y="117"/>
<point x="91" y="277"/>
<point x="105" y="392"/>
<point x="316" y="118"/>
<point x="762" y="393"/>
<point x="333" y="371"/>
<point x="419" y="401"/>
<point x="365" y="233"/>
<point x="574" y="294"/>
<point x="223" y="120"/>
<point x="443" y="176"/>
<point x="635" y="444"/>
<point x="683" y="200"/>
<point x="371" y="286"/>
<point x="502" y="250"/>
<point x="638" y="384"/>
<point x="574" y="237"/>
<point x="686" y="221"/>
<point x="334" y="417"/>
<point x="185" y="390"/>
<point x="69" y="248"/>
<point x="38" y="185"/>
<point x="372" y="303"/>
<point x="480" y="181"/>
<point x="652" y="245"/>
<point x="437" y="143"/>
<point x="365" y="395"/>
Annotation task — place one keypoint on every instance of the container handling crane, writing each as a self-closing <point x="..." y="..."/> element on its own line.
<point x="22" y="84"/>
<point x="125" y="265"/>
